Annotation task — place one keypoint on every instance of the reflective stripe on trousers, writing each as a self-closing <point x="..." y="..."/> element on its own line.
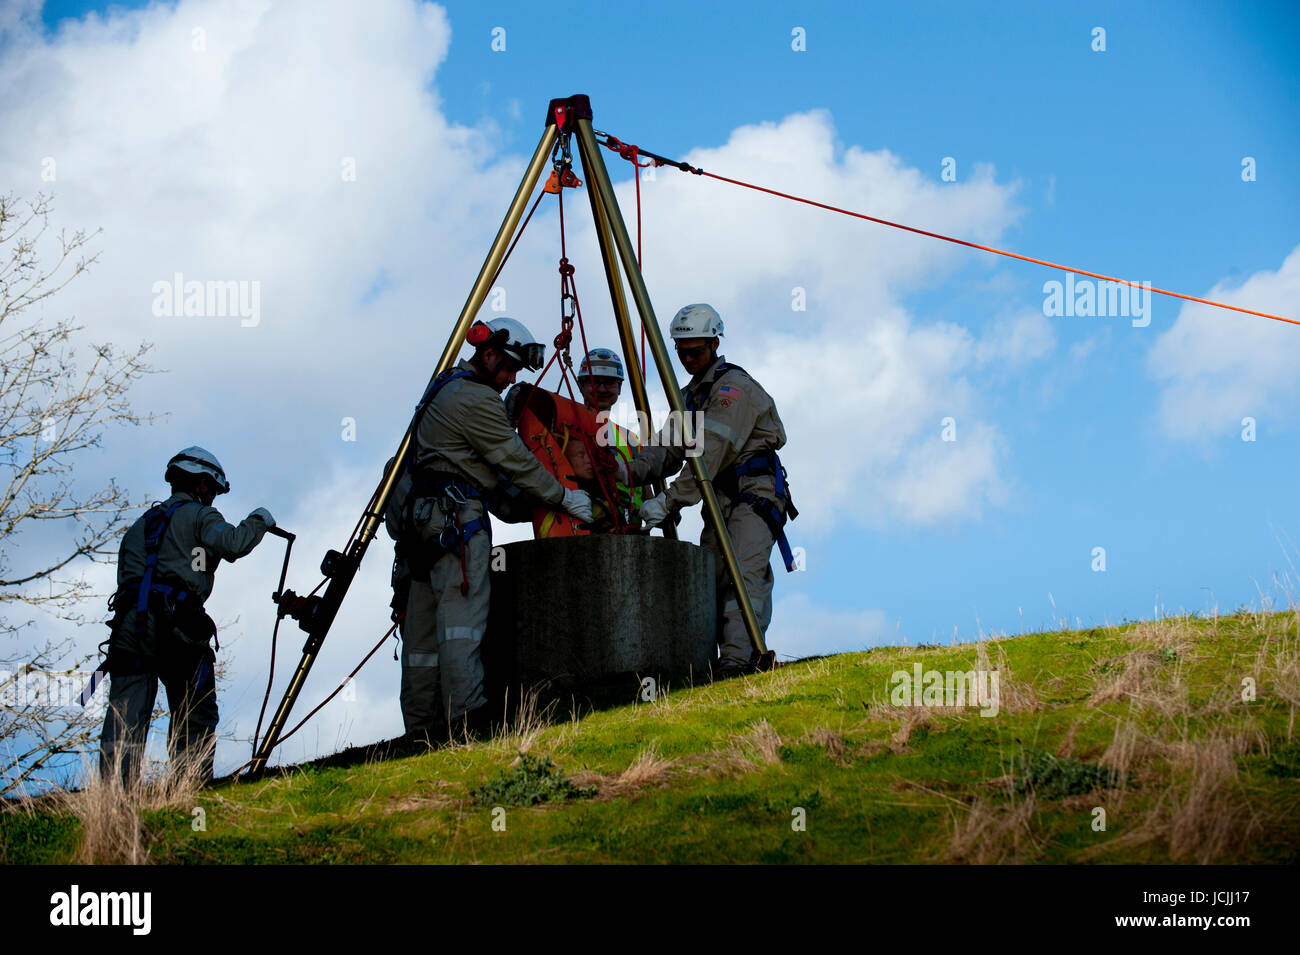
<point x="447" y="627"/>
<point x="752" y="540"/>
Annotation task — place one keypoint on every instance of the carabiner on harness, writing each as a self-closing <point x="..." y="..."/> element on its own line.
<point x="449" y="539"/>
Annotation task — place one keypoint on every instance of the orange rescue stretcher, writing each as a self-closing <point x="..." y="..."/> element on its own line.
<point x="566" y="437"/>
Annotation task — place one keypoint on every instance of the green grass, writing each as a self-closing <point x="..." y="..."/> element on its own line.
<point x="812" y="763"/>
<point x="534" y="780"/>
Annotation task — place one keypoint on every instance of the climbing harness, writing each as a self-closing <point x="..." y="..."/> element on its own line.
<point x="728" y="481"/>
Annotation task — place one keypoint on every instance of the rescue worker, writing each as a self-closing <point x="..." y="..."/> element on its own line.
<point x="600" y="379"/>
<point x="420" y="694"/>
<point x="464" y="446"/>
<point x="165" y="571"/>
<point x="742" y="433"/>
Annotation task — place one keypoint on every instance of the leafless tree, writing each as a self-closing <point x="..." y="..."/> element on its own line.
<point x="57" y="396"/>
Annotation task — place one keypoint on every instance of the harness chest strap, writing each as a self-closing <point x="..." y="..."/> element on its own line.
<point x="155" y="525"/>
<point x="442" y="381"/>
<point x="455" y="535"/>
<point x="729" y="478"/>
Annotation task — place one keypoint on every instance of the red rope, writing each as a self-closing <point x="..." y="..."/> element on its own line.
<point x="518" y="235"/>
<point x="625" y="150"/>
<point x="640" y="263"/>
<point x="996" y="251"/>
<point x="339" y="689"/>
<point x="342" y="686"/>
<point x="632" y="153"/>
<point x="569" y="289"/>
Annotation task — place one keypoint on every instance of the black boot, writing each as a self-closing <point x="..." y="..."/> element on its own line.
<point x="477" y="724"/>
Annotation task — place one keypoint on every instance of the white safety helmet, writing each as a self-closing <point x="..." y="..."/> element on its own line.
<point x="601" y="363"/>
<point x="696" y="321"/>
<point x="512" y="337"/>
<point x="195" y="460"/>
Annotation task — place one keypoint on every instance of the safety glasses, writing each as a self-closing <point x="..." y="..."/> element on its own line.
<point x="529" y="356"/>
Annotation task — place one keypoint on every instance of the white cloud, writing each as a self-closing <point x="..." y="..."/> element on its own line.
<point x="800" y="628"/>
<point x="1017" y="340"/>
<point x="860" y="384"/>
<point x="1216" y="367"/>
<point x="1081" y="349"/>
<point x="227" y="162"/>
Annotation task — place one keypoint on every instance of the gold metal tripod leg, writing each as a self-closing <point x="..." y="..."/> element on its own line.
<point x="626" y="336"/>
<point x="375" y="514"/>
<point x="603" y="191"/>
<point x="473" y="303"/>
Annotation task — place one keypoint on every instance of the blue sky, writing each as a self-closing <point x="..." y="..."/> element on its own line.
<point x="1130" y="161"/>
<point x="1075" y="432"/>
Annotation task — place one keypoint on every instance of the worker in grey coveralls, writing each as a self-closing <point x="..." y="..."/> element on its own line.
<point x="420" y="690"/>
<point x="463" y="446"/>
<point x="740" y="425"/>
<point x="166" y="564"/>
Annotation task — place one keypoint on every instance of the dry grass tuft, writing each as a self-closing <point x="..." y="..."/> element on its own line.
<point x="992" y="832"/>
<point x="761" y="745"/>
<point x="520" y="734"/>
<point x="1014" y="696"/>
<point x="1126" y="748"/>
<point x="1131" y="676"/>
<point x="757" y="747"/>
<point x="1208" y="814"/>
<point x="908" y="718"/>
<point x="1277" y="667"/>
<point x="109" y="812"/>
<point x="1176" y="634"/>
<point x="648" y="768"/>
<point x="1196" y="804"/>
<point x="833" y="742"/>
<point x="1065" y="748"/>
<point x="915" y="718"/>
<point x="439" y="798"/>
<point x="773" y="686"/>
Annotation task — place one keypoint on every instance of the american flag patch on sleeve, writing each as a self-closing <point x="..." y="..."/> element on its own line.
<point x="726" y="391"/>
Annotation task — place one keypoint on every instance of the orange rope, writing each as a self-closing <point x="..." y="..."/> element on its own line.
<point x="989" y="248"/>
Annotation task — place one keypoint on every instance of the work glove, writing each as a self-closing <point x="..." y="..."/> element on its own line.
<point x="654" y="511"/>
<point x="264" y="515"/>
<point x="578" y="504"/>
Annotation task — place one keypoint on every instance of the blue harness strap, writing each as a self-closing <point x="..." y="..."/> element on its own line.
<point x="770" y="513"/>
<point x="155" y="525"/>
<point x="766" y="463"/>
<point x="156" y="521"/>
<point x="434" y="484"/>
<point x="446" y="378"/>
<point x="435" y="386"/>
<point x="452" y="541"/>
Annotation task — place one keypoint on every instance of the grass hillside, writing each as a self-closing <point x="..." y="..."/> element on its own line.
<point x="1144" y="722"/>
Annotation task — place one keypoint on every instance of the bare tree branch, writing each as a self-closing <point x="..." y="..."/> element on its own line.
<point x="58" y="395"/>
